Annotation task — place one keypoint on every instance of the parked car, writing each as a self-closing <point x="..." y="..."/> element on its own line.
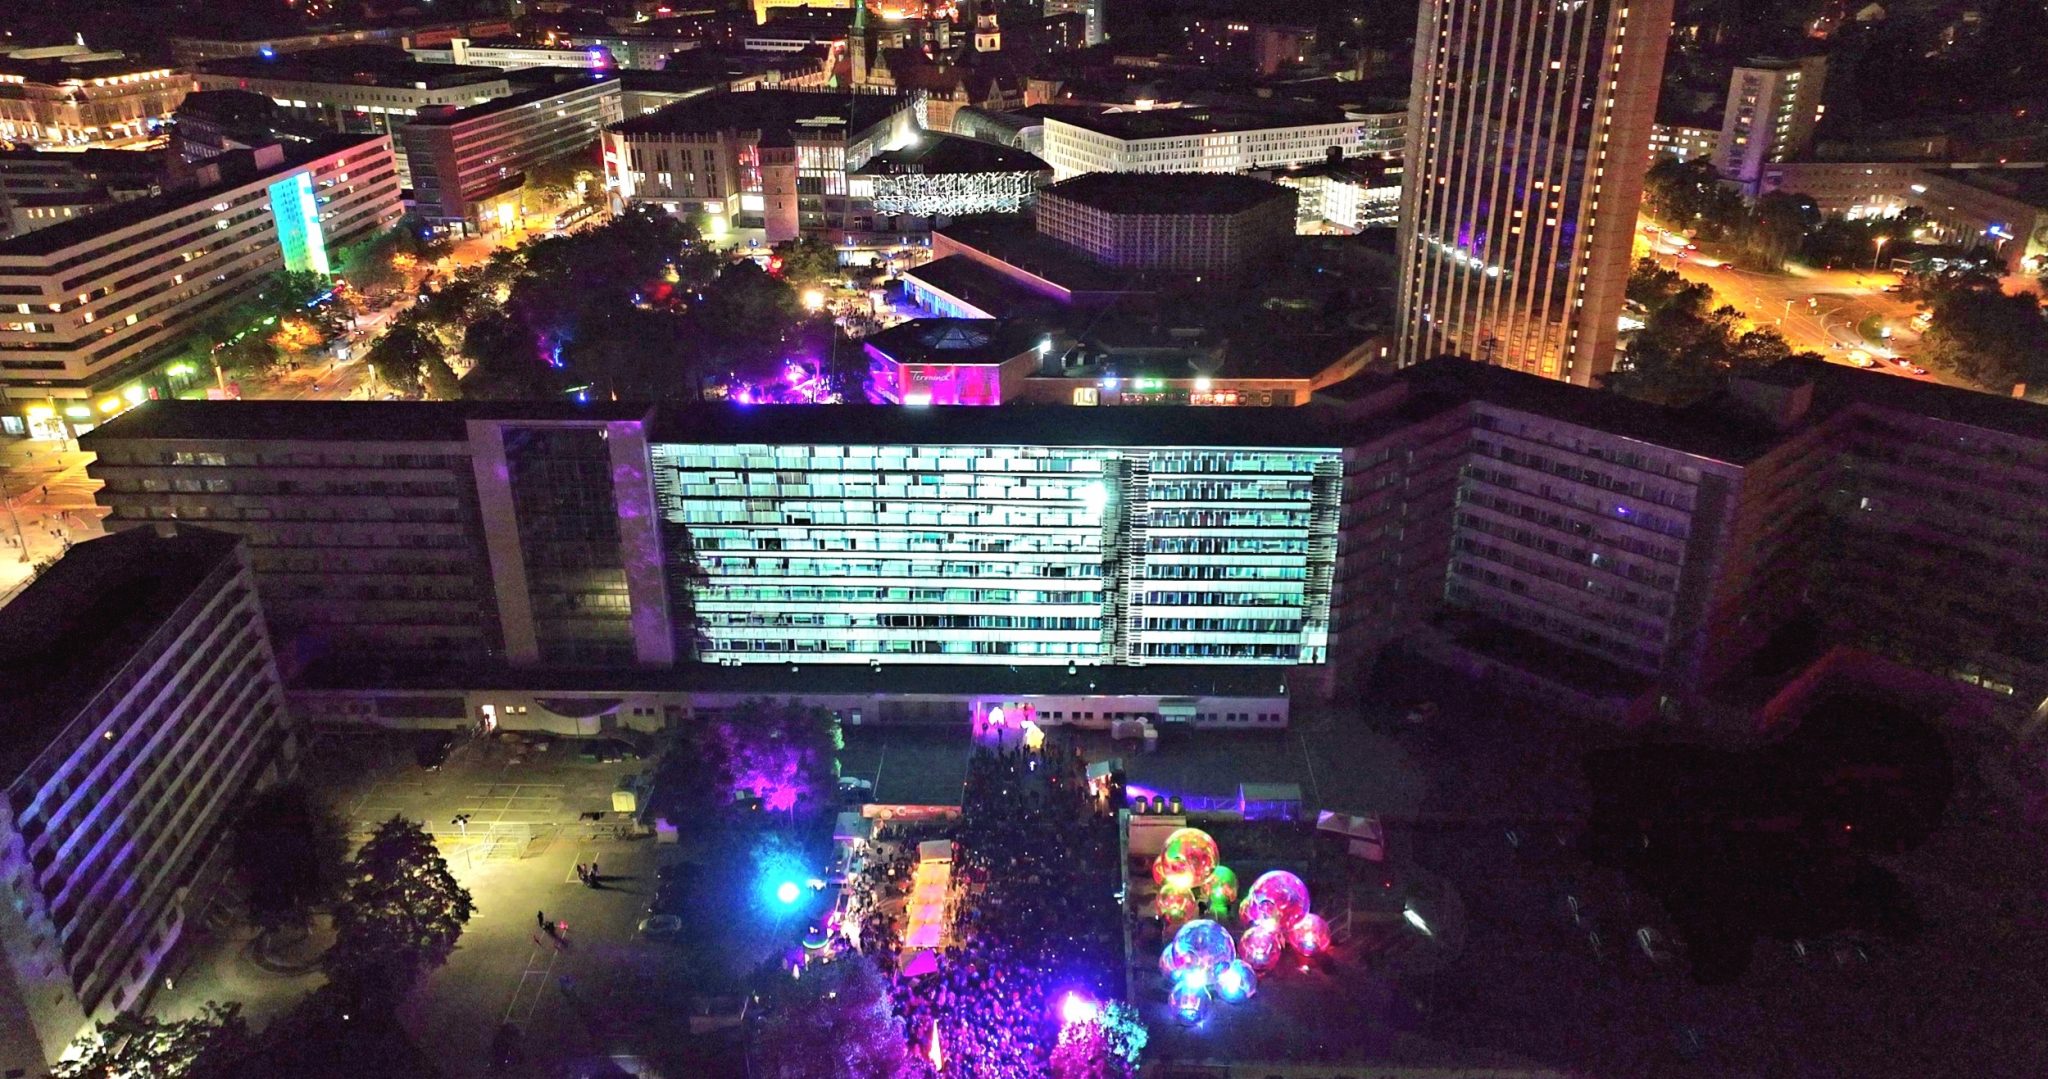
<point x="433" y="749"/>
<point x="1860" y="358"/>
<point x="854" y="791"/>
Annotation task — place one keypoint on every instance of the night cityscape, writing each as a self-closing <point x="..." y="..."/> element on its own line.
<point x="997" y="539"/>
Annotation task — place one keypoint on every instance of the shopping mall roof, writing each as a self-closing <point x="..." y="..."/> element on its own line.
<point x="767" y="110"/>
<point x="1168" y="193"/>
<point x="969" y="341"/>
<point x="354" y="65"/>
<point x="934" y="153"/>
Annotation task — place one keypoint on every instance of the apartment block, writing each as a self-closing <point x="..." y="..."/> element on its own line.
<point x="362" y="538"/>
<point x="1523" y="175"/>
<point x="1686" y="142"/>
<point x="2004" y="208"/>
<point x="467" y="163"/>
<point x="356" y="90"/>
<point x="140" y="705"/>
<point x="93" y="310"/>
<point x="41" y="188"/>
<point x="1773" y="106"/>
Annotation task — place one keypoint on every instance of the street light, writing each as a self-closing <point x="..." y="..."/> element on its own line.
<point x="1879" y="253"/>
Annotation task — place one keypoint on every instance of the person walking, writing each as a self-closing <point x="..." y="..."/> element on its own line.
<point x="540" y="918"/>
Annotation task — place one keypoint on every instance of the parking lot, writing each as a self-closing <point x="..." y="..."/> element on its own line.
<point x="589" y="999"/>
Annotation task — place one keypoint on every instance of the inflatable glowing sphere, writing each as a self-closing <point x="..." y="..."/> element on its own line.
<point x="1173" y="959"/>
<point x="1218" y="907"/>
<point x="1176" y="906"/>
<point x="1261" y="944"/>
<point x="1278" y="896"/>
<point x="1310" y="934"/>
<point x="1188" y="859"/>
<point x="1159" y="872"/>
<point x="1190" y="1002"/>
<point x="1208" y="946"/>
<point x="1236" y="983"/>
<point x="1222" y="886"/>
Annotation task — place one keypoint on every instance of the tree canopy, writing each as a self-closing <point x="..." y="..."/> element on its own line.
<point x="137" y="1045"/>
<point x="401" y="911"/>
<point x="289" y="853"/>
<point x="835" y="1022"/>
<point x="1989" y="337"/>
<point x="1687" y="348"/>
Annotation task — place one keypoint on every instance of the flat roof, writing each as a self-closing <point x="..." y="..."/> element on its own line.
<point x="135" y="211"/>
<point x="936" y="153"/>
<point x="1008" y="425"/>
<point x="972" y="341"/>
<point x="521" y="99"/>
<point x="1165" y="123"/>
<point x="966" y="279"/>
<point x="1168" y="192"/>
<point x="353" y="65"/>
<point x="339" y="421"/>
<point x="1018" y="244"/>
<point x="766" y="111"/>
<point x="67" y="635"/>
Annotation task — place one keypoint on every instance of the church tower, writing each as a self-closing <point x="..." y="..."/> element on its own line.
<point x="857" y="43"/>
<point x="988" y="37"/>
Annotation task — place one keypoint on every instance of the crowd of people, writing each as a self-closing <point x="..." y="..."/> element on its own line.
<point x="1034" y="916"/>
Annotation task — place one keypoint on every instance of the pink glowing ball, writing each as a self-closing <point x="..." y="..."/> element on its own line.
<point x="1188" y="859"/>
<point x="1261" y="945"/>
<point x="1278" y="896"/>
<point x="1309" y="934"/>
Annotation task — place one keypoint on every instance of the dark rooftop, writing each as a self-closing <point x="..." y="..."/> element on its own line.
<point x="955" y="340"/>
<point x="1168" y="192"/>
<point x="338" y="421"/>
<point x="356" y="65"/>
<point x="1015" y="242"/>
<point x="1199" y="120"/>
<point x="55" y="70"/>
<point x="1000" y="296"/>
<point x="768" y="111"/>
<point x="93" y="162"/>
<point x="935" y="152"/>
<point x="122" y="215"/>
<point x="65" y="637"/>
<point x="442" y="117"/>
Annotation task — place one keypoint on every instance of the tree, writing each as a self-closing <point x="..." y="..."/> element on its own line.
<point x="400" y="356"/>
<point x="289" y="854"/>
<point x="1774" y="230"/>
<point x="834" y="1022"/>
<point x="145" y="1046"/>
<point x="783" y="753"/>
<point x="438" y="379"/>
<point x="1989" y="337"/>
<point x="400" y="913"/>
<point x="748" y="311"/>
<point x="808" y="260"/>
<point x="1686" y="349"/>
<point x="296" y="334"/>
<point x="1690" y="195"/>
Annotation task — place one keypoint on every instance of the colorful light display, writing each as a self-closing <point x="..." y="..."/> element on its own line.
<point x="1261" y="945"/>
<point x="1189" y="860"/>
<point x="1309" y="935"/>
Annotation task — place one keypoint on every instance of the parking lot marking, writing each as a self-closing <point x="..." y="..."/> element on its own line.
<point x="533" y="983"/>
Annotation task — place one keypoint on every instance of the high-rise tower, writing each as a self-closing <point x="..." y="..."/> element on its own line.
<point x="1526" y="123"/>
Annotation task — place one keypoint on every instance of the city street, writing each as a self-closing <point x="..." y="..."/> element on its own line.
<point x="1821" y="311"/>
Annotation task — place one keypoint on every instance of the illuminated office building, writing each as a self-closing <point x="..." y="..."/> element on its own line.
<point x="979" y="539"/>
<point x="1524" y="168"/>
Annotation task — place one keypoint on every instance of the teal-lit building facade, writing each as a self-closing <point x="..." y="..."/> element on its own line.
<point x="962" y="549"/>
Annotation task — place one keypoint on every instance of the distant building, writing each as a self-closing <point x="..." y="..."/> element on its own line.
<point x="71" y="96"/>
<point x="766" y="165"/>
<point x="1519" y="199"/>
<point x="356" y="90"/>
<point x="209" y="123"/>
<point x="1091" y="10"/>
<point x="188" y="50"/>
<point x="468" y="164"/>
<point x="2004" y="209"/>
<point x="644" y="48"/>
<point x="514" y="55"/>
<point x="1772" y="108"/>
<point x="140" y="706"/>
<point x="939" y="176"/>
<point x="1344" y="196"/>
<point x="1193" y="139"/>
<point x="1686" y="142"/>
<point x="110" y="299"/>
<point x="40" y="188"/>
<point x="717" y="70"/>
<point x="1179" y="222"/>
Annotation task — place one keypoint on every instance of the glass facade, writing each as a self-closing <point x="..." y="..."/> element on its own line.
<point x="1000" y="554"/>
